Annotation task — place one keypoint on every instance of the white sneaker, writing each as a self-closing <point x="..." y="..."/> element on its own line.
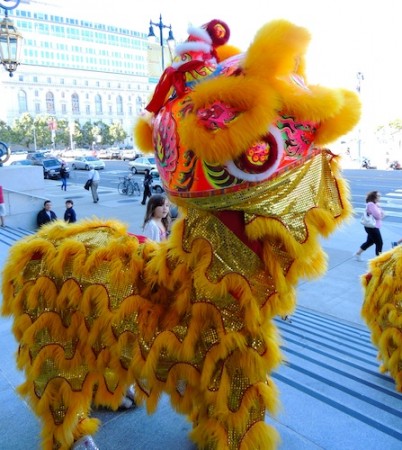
<point x="85" y="443"/>
<point x="358" y="257"/>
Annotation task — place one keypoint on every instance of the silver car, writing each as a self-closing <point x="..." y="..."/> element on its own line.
<point x="140" y="164"/>
<point x="86" y="162"/>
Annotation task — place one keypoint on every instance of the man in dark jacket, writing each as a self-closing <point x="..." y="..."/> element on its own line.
<point x="147" y="186"/>
<point x="46" y="214"/>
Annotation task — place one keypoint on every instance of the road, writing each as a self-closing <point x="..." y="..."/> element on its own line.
<point x="388" y="182"/>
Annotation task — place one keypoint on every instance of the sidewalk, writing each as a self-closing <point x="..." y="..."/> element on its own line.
<point x="331" y="392"/>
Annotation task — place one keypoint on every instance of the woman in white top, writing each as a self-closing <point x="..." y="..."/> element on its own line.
<point x="94" y="176"/>
<point x="157" y="218"/>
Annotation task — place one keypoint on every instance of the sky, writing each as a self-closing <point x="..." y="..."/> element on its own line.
<point x="347" y="37"/>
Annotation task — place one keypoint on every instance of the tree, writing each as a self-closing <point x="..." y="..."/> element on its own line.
<point x="23" y="130"/>
<point x="5" y="132"/>
<point x="117" y="133"/>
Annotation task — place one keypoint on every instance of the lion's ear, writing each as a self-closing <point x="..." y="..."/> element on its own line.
<point x="278" y="50"/>
<point x="143" y="133"/>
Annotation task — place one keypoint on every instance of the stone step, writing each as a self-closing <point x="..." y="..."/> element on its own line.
<point x="10" y="235"/>
<point x="330" y="382"/>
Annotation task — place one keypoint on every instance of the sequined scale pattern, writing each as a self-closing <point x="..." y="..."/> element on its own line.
<point x="95" y="324"/>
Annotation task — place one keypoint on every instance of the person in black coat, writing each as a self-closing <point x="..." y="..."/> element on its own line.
<point x="46" y="214"/>
<point x="69" y="215"/>
<point x="63" y="176"/>
<point x="147" y="186"/>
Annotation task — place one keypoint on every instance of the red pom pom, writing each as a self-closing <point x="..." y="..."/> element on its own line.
<point x="219" y="32"/>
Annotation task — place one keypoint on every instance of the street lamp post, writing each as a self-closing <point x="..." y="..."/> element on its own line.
<point x="360" y="78"/>
<point x="161" y="26"/>
<point x="10" y="39"/>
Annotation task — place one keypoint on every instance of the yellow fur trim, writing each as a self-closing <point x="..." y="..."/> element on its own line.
<point x="382" y="312"/>
<point x="143" y="134"/>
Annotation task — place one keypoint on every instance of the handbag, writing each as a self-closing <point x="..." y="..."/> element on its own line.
<point x="368" y="220"/>
<point x="88" y="184"/>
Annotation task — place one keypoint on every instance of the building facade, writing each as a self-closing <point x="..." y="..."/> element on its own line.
<point x="75" y="69"/>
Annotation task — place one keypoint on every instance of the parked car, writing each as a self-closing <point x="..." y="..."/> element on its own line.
<point x="22" y="162"/>
<point x="130" y="155"/>
<point x="37" y="157"/>
<point x="85" y="163"/>
<point x="51" y="168"/>
<point x="114" y="152"/>
<point x="157" y="185"/>
<point x="140" y="164"/>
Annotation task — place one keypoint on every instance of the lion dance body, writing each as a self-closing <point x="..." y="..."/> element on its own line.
<point x="239" y="143"/>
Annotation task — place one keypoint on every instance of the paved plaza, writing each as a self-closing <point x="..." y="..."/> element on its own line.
<point x="332" y="394"/>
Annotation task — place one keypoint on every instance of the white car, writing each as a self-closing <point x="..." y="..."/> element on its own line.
<point x="140" y="164"/>
<point x="86" y="162"/>
<point x="157" y="185"/>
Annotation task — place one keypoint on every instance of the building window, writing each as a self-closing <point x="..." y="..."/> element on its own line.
<point x="35" y="79"/>
<point x="22" y="101"/>
<point x="86" y="83"/>
<point x="88" y="109"/>
<point x="63" y="95"/>
<point x="110" y="109"/>
<point x="37" y="108"/>
<point x="97" y="83"/>
<point x="64" y="108"/>
<point x="119" y="104"/>
<point x="75" y="82"/>
<point x="61" y="80"/>
<point x="50" y="103"/>
<point x="75" y="104"/>
<point x="98" y="104"/>
<point x="49" y="80"/>
<point x="21" y="77"/>
<point x="36" y="93"/>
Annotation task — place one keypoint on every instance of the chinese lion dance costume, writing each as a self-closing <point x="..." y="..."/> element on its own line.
<point x="240" y="143"/>
<point x="382" y="310"/>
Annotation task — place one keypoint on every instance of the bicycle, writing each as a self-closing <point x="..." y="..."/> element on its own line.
<point x="128" y="187"/>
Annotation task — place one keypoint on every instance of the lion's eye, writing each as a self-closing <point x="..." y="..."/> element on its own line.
<point x="261" y="160"/>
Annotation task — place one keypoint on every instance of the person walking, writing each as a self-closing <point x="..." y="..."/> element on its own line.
<point x="147" y="186"/>
<point x="157" y="219"/>
<point x="373" y="234"/>
<point x="63" y="176"/>
<point x="2" y="208"/>
<point x="69" y="215"/>
<point x="94" y="176"/>
<point x="46" y="214"/>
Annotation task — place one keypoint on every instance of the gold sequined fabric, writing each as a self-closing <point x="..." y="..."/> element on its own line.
<point x="286" y="198"/>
